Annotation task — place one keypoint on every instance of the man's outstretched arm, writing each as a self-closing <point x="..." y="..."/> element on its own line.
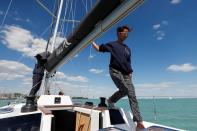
<point x="96" y="47"/>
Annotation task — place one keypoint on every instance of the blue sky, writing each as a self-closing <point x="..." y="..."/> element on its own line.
<point x="163" y="45"/>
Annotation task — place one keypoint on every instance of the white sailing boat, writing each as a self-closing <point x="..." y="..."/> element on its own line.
<point x="58" y="112"/>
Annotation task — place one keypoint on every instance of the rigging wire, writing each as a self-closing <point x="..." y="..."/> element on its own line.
<point x="65" y="13"/>
<point x="52" y="26"/>
<point x="85" y="5"/>
<point x="70" y="13"/>
<point x="46" y="30"/>
<point x="6" y="13"/>
<point x="91" y="3"/>
<point x="56" y="86"/>
<point x="73" y="15"/>
<point x="68" y="18"/>
<point x="90" y="54"/>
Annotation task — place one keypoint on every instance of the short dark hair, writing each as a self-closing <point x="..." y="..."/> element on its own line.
<point x="121" y="28"/>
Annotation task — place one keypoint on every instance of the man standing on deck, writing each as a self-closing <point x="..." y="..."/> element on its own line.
<point x="121" y="72"/>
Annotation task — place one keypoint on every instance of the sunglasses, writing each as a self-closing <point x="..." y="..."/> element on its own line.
<point x="125" y="33"/>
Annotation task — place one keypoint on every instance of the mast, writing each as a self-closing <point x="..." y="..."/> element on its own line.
<point x="47" y="75"/>
<point x="56" y="25"/>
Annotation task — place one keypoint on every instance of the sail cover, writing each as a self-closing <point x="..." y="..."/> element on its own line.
<point x="96" y="15"/>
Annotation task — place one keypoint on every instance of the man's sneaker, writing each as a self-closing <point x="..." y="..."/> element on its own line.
<point x="110" y="104"/>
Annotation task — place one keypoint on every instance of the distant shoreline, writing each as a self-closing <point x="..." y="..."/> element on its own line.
<point x="8" y="98"/>
<point x="143" y="97"/>
<point x="170" y="97"/>
<point x="80" y="98"/>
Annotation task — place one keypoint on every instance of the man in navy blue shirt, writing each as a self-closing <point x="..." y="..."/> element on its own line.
<point x="121" y="72"/>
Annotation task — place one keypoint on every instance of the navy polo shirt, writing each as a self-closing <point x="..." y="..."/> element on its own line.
<point x="120" y="56"/>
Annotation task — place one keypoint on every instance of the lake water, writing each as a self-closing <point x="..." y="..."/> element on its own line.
<point x="180" y="113"/>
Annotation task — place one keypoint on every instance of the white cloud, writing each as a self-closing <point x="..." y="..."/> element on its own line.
<point x="27" y="81"/>
<point x="17" y="19"/>
<point x="15" y="76"/>
<point x="157" y="26"/>
<point x="193" y="85"/>
<point x="72" y="89"/>
<point x="182" y="68"/>
<point x="69" y="84"/>
<point x="159" y="38"/>
<point x="22" y="20"/>
<point x="96" y="71"/>
<point x="76" y="55"/>
<point x="159" y="33"/>
<point x="101" y="91"/>
<point x="107" y="75"/>
<point x="164" y="22"/>
<point x="60" y="75"/>
<point x="22" y="75"/>
<point x="11" y="70"/>
<point x="91" y="91"/>
<point x="175" y="1"/>
<point x="76" y="78"/>
<point x="22" y="40"/>
<point x="28" y="20"/>
<point x="82" y="89"/>
<point x="157" y="85"/>
<point x="71" y="78"/>
<point x="169" y="89"/>
<point x="10" y="76"/>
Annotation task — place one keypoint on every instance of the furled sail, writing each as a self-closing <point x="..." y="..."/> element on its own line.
<point x="101" y="17"/>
